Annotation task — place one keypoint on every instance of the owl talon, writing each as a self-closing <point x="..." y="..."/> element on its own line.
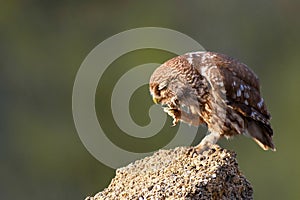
<point x="198" y="150"/>
<point x="194" y="151"/>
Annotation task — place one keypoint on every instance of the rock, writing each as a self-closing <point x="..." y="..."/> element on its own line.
<point x="178" y="174"/>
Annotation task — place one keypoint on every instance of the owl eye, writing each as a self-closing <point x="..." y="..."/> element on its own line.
<point x="163" y="85"/>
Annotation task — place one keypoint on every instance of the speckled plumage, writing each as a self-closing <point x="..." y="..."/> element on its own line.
<point x="215" y="90"/>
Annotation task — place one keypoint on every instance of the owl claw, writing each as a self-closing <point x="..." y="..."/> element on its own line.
<point x="197" y="150"/>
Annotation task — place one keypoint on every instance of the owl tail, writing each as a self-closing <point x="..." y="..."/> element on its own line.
<point x="261" y="134"/>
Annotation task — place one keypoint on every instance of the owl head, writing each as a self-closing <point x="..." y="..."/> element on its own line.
<point x="175" y="85"/>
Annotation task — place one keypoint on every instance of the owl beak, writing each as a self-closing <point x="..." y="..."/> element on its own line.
<point x="155" y="100"/>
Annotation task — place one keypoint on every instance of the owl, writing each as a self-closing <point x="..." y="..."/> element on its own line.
<point x="215" y="90"/>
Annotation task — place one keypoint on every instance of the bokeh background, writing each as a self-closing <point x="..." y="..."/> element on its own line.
<point x="43" y="43"/>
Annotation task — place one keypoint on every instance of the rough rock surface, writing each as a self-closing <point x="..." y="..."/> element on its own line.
<point x="178" y="174"/>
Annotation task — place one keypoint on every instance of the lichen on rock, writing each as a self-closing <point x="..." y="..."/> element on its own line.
<point x="179" y="174"/>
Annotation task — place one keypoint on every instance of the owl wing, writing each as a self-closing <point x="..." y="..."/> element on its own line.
<point x="242" y="88"/>
<point x="243" y="95"/>
<point x="233" y="81"/>
<point x="236" y="86"/>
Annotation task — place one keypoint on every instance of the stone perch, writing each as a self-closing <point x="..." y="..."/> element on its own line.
<point x="176" y="174"/>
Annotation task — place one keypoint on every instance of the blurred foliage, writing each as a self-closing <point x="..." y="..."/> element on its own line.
<point x="43" y="44"/>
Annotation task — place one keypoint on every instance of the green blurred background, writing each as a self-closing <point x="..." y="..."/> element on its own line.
<point x="43" y="44"/>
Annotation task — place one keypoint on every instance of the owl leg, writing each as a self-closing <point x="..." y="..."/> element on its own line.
<point x="210" y="139"/>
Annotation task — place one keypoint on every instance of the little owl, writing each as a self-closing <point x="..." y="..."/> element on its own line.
<point x="214" y="90"/>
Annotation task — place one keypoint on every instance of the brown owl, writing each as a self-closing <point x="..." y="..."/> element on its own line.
<point x="214" y="90"/>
